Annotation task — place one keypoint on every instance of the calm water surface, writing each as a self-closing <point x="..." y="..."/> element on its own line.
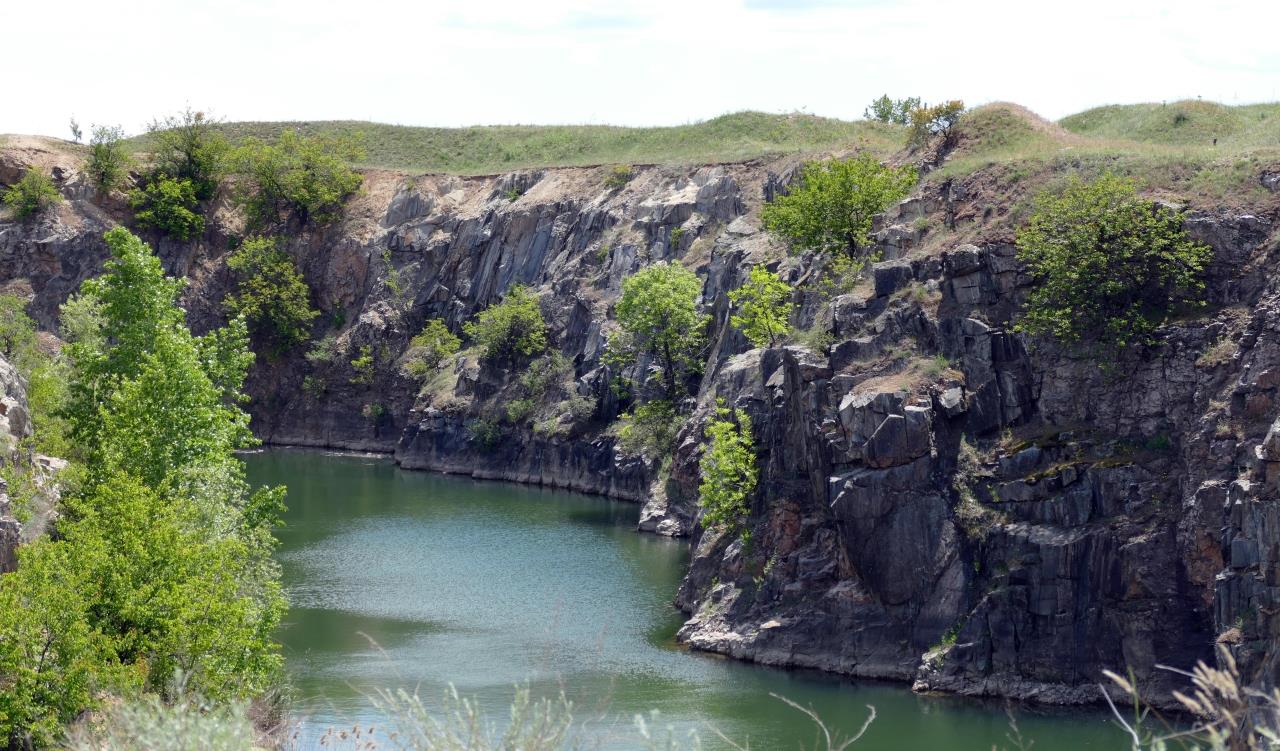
<point x="417" y="580"/>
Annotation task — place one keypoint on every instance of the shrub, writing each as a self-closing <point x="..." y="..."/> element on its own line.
<point x="832" y="208"/>
<point x="108" y="161"/>
<point x="649" y="430"/>
<point x="32" y="194"/>
<point x="728" y="469"/>
<point x="659" y="316"/>
<point x="431" y="347"/>
<point x="512" y="329"/>
<point x="149" y="723"/>
<point x="618" y="177"/>
<point x="1110" y="266"/>
<point x="169" y="206"/>
<point x="485" y="433"/>
<point x="270" y="294"/>
<point x="313" y="386"/>
<point x="188" y="146"/>
<point x="930" y="121"/>
<point x="306" y="176"/>
<point x="76" y="133"/>
<point x="519" y="410"/>
<point x="893" y="111"/>
<point x="324" y="352"/>
<point x="363" y="366"/>
<point x="764" y="306"/>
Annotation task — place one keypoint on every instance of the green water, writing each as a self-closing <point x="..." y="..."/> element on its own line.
<point x="417" y="580"/>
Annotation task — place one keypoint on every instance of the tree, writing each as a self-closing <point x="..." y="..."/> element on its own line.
<point x="1109" y="266"/>
<point x="939" y="119"/>
<point x="512" y="329"/>
<point x="728" y="470"/>
<point x="188" y="146"/>
<point x="764" y="307"/>
<point x="271" y="294"/>
<point x="108" y="161"/>
<point x="168" y="205"/>
<point x="32" y="194"/>
<point x="430" y="347"/>
<point x="660" y="319"/>
<point x="307" y="176"/>
<point x="892" y="111"/>
<point x="832" y="208"/>
<point x="76" y="133"/>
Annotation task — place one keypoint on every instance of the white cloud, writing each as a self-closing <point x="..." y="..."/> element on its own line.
<point x="459" y="62"/>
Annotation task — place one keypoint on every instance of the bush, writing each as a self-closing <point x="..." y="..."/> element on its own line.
<point x="649" y="430"/>
<point x="108" y="161"/>
<point x="324" y="352"/>
<point x="618" y="177"/>
<point x="1110" y="266"/>
<point x="188" y="147"/>
<point x="306" y="176"/>
<point x="930" y="121"/>
<point x="486" y="434"/>
<point x="32" y="194"/>
<point x="169" y="206"/>
<point x="728" y="469"/>
<point x="431" y="347"/>
<point x="150" y="724"/>
<point x="832" y="208"/>
<point x="893" y="111"/>
<point x="363" y="367"/>
<point x="764" y="307"/>
<point x="512" y="329"/>
<point x="659" y="316"/>
<point x="271" y="294"/>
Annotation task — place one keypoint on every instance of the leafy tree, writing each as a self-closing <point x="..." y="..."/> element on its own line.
<point x="512" y="329"/>
<point x="76" y="133"/>
<point x="660" y="319"/>
<point x="764" y="307"/>
<point x="32" y="194"/>
<point x="271" y="294"/>
<point x="188" y="146"/>
<point x="429" y="348"/>
<point x="1110" y="266"/>
<point x="728" y="469"/>
<point x="45" y="372"/>
<point x="649" y="430"/>
<point x="307" y="176"/>
<point x="832" y="208"/>
<point x="168" y="205"/>
<point x="108" y="161"/>
<point x="363" y="366"/>
<point x="893" y="111"/>
<point x="939" y="119"/>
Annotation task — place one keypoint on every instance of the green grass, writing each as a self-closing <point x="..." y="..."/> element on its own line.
<point x="499" y="148"/>
<point x="1187" y="123"/>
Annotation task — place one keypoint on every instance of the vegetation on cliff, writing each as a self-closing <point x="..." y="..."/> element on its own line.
<point x="32" y="194"/>
<point x="270" y="294"/>
<point x="763" y="307"/>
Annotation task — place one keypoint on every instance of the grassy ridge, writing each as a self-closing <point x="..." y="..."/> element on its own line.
<point x="1186" y="123"/>
<point x="500" y="148"/>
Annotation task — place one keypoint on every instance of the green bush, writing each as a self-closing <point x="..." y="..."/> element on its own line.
<point x="832" y="208"/>
<point x="187" y="146"/>
<point x="108" y="161"/>
<point x="485" y="434"/>
<point x="660" y="319"/>
<point x="305" y="176"/>
<point x="512" y="329"/>
<point x="618" y="177"/>
<point x="432" y="346"/>
<point x="271" y="294"/>
<point x="169" y="206"/>
<point x="324" y="352"/>
<point x="363" y="367"/>
<point x="728" y="469"/>
<point x="649" y="430"/>
<point x="151" y="724"/>
<point x="32" y="194"/>
<point x="1110" y="267"/>
<point x="764" y="307"/>
<point x="929" y="121"/>
<point x="893" y="111"/>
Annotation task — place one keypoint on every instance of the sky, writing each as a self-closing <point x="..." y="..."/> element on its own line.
<point x="626" y="62"/>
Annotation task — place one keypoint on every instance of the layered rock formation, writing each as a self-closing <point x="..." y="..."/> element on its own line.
<point x="942" y="501"/>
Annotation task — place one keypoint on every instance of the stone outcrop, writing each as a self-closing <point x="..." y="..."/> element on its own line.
<point x="15" y="427"/>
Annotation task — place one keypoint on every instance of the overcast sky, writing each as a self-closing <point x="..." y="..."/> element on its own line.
<point x="633" y="62"/>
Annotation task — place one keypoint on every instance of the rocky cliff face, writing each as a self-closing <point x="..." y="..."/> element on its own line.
<point x="942" y="501"/>
<point x="15" y="427"/>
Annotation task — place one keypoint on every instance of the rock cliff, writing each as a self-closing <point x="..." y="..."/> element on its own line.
<point x="942" y="501"/>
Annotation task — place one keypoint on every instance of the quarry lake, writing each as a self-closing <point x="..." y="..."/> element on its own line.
<point x="414" y="580"/>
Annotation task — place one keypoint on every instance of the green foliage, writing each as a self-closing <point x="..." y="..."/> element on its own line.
<point x="764" y="307"/>
<point x="32" y="194"/>
<point x="324" y="352"/>
<point x="485" y="433"/>
<point x="150" y="723"/>
<point x="363" y="366"/>
<point x="1110" y="266"/>
<point x="728" y="469"/>
<point x="313" y="386"/>
<point x="519" y="410"/>
<point x="660" y="320"/>
<point x="618" y="177"/>
<point x="270" y="294"/>
<point x="649" y="430"/>
<point x="677" y="234"/>
<point x="306" y="176"/>
<point x="892" y="111"/>
<point x="512" y="329"/>
<point x="168" y="205"/>
<point x="432" y="346"/>
<point x="929" y="121"/>
<point x="188" y="146"/>
<point x="108" y="160"/>
<point x="832" y="208"/>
